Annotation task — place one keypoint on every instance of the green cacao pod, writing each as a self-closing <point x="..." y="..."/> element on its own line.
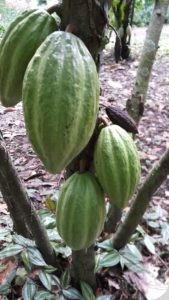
<point x="81" y="211"/>
<point x="60" y="99"/>
<point x="117" y="164"/>
<point x="17" y="47"/>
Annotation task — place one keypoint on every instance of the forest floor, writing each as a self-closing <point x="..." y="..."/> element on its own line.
<point x="117" y="81"/>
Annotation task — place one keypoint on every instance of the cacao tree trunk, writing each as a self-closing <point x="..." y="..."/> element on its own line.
<point x="135" y="105"/>
<point x="113" y="217"/>
<point x="153" y="181"/>
<point x="83" y="264"/>
<point x="87" y="20"/>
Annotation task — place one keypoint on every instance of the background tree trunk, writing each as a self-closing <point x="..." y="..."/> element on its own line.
<point x="135" y="105"/>
<point x="154" y="179"/>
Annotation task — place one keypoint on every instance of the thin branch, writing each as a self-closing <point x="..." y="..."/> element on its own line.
<point x="57" y="8"/>
<point x="153" y="181"/>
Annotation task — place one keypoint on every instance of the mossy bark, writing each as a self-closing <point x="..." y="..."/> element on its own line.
<point x="135" y="105"/>
<point x="154" y="179"/>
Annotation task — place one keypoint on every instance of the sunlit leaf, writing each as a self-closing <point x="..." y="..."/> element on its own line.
<point x="148" y="242"/>
<point x="29" y="290"/>
<point x="19" y="239"/>
<point x="4" y="233"/>
<point x="165" y="231"/>
<point x="106" y="245"/>
<point x="134" y="251"/>
<point x="48" y="219"/>
<point x="43" y="295"/>
<point x="72" y="294"/>
<point x="46" y="279"/>
<point x="131" y="252"/>
<point x="56" y="281"/>
<point x="11" y="250"/>
<point x="36" y="257"/>
<point x="64" y="250"/>
<point x="106" y="297"/>
<point x="108" y="260"/>
<point x="53" y="235"/>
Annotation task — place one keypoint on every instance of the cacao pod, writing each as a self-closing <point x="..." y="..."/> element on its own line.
<point x="17" y="47"/>
<point x="60" y="99"/>
<point x="80" y="211"/>
<point x="117" y="164"/>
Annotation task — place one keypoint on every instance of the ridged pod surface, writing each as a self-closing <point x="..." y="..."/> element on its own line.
<point x="19" y="43"/>
<point x="81" y="211"/>
<point x="117" y="164"/>
<point x="60" y="99"/>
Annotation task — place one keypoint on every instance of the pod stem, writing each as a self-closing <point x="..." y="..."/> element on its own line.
<point x="71" y="28"/>
<point x="57" y="8"/>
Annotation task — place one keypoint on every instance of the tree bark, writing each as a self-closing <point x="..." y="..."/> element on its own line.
<point x="153" y="181"/>
<point x="87" y="20"/>
<point x="113" y="217"/>
<point x="83" y="264"/>
<point x="135" y="105"/>
<point x="23" y="214"/>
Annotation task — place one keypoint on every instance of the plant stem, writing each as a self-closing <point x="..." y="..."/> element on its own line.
<point x="20" y="208"/>
<point x="83" y="264"/>
<point x="113" y="217"/>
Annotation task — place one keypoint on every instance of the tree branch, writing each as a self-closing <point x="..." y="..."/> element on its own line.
<point x="20" y="208"/>
<point x="57" y="8"/>
<point x="153" y="181"/>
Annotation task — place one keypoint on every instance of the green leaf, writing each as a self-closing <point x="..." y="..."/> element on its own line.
<point x="135" y="266"/>
<point x="65" y="279"/>
<point x="5" y="289"/>
<point x="56" y="281"/>
<point x="148" y="242"/>
<point x="53" y="235"/>
<point x="108" y="260"/>
<point x="72" y="294"/>
<point x="19" y="239"/>
<point x="131" y="258"/>
<point x="48" y="219"/>
<point x="4" y="233"/>
<point x="43" y="295"/>
<point x="36" y="257"/>
<point x="46" y="280"/>
<point x="106" y="245"/>
<point x="29" y="290"/>
<point x="134" y="251"/>
<point x="64" y="250"/>
<point x="106" y="297"/>
<point x="49" y="269"/>
<point x="11" y="250"/>
<point x="164" y="231"/>
<point x="26" y="260"/>
<point x="87" y="291"/>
